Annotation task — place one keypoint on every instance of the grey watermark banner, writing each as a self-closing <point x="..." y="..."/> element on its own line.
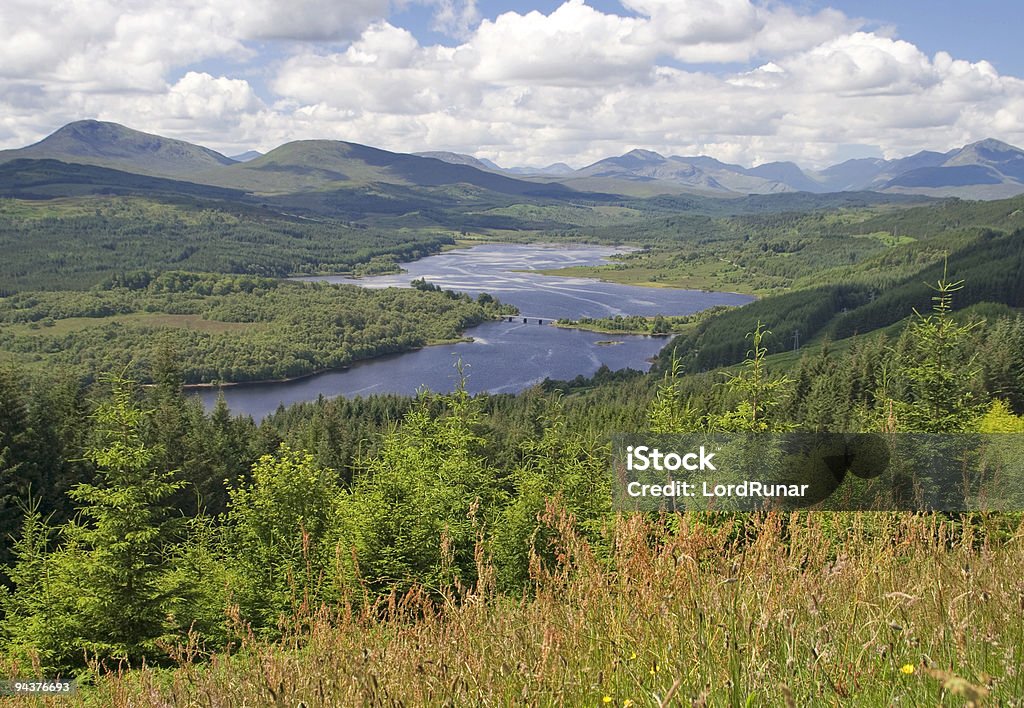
<point x="827" y="471"/>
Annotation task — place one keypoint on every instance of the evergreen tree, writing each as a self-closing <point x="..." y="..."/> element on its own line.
<point x="283" y="530"/>
<point x="667" y="413"/>
<point x="560" y="466"/>
<point x="40" y="623"/>
<point x="120" y="548"/>
<point x="937" y="369"/>
<point x="418" y="504"/>
<point x="18" y="472"/>
<point x="760" y="393"/>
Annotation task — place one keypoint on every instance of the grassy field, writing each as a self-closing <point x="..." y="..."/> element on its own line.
<point x="786" y="610"/>
<point x="704" y="274"/>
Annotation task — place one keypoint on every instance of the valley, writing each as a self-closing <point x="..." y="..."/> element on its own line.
<point x="329" y="338"/>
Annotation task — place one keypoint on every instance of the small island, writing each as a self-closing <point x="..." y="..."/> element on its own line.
<point x="658" y="325"/>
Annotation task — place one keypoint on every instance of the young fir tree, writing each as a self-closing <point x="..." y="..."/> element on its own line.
<point x="937" y="370"/>
<point x="413" y="508"/>
<point x="19" y="475"/>
<point x="563" y="467"/>
<point x="119" y="549"/>
<point x="282" y="536"/>
<point x="39" y="625"/>
<point x="760" y="393"/>
<point x="667" y="413"/>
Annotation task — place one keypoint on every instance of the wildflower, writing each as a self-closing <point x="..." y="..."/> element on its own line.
<point x="632" y="656"/>
<point x="606" y="699"/>
<point x="907" y="669"/>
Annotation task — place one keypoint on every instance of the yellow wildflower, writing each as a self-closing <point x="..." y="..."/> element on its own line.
<point x="907" y="669"/>
<point x="606" y="699"/>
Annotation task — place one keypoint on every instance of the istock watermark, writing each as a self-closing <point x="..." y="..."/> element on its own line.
<point x="828" y="471"/>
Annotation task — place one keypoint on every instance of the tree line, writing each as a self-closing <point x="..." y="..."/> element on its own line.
<point x="137" y="519"/>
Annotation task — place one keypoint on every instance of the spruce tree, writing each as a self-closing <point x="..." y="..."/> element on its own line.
<point x="17" y="471"/>
<point x="937" y="369"/>
<point x="124" y="538"/>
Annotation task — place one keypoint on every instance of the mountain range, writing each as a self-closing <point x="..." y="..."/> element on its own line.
<point x="988" y="169"/>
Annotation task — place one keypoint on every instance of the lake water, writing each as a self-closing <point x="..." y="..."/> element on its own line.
<point x="505" y="357"/>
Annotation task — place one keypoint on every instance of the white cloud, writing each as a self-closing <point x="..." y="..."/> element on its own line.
<point x="732" y="30"/>
<point x="573" y="45"/>
<point x="456" y="18"/>
<point x="573" y="85"/>
<point x="301" y="19"/>
<point x="695" y="22"/>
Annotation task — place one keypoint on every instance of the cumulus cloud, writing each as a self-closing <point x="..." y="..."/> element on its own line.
<point x="575" y="44"/>
<point x="456" y="18"/>
<point x="574" y="85"/>
<point x="301" y="19"/>
<point x="732" y="30"/>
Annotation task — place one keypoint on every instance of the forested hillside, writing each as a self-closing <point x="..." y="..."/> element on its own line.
<point x="211" y="531"/>
<point x="142" y="528"/>
<point x="228" y="328"/>
<point x="77" y="243"/>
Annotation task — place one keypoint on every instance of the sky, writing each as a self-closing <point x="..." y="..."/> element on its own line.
<point x="527" y="82"/>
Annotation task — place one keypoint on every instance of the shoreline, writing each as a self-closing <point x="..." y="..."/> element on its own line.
<point x="598" y="330"/>
<point x="462" y="244"/>
<point x="558" y="273"/>
<point x="197" y="387"/>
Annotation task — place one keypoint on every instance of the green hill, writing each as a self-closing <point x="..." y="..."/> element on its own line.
<point x="48" y="179"/>
<point x="318" y="164"/>
<point x="92" y="142"/>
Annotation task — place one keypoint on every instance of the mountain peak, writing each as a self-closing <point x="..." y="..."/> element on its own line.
<point x="455" y="158"/>
<point x="647" y="155"/>
<point x="105" y="144"/>
<point x="994" y="145"/>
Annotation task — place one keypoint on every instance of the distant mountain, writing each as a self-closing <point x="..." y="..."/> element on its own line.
<point x="247" y="155"/>
<point x="786" y="173"/>
<point x="850" y="175"/>
<point x="47" y="179"/>
<point x="557" y="169"/>
<point x="988" y="169"/>
<point x="454" y="158"/>
<point x="316" y="164"/>
<point x="701" y="173"/>
<point x="1003" y="158"/>
<point x="92" y="142"/>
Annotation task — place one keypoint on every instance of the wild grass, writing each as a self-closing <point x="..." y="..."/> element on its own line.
<point x="786" y="610"/>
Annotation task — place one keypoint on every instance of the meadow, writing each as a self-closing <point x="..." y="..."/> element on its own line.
<point x="772" y="609"/>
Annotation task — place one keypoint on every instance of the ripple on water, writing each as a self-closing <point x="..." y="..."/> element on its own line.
<point x="504" y="357"/>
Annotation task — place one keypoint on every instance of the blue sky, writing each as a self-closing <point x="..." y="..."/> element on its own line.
<point x="973" y="30"/>
<point x="535" y="82"/>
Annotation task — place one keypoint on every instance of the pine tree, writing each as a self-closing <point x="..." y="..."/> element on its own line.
<point x="560" y="466"/>
<point x="412" y="507"/>
<point x="122" y="543"/>
<point x="667" y="413"/>
<point x="17" y="469"/>
<point x="760" y="392"/>
<point x="283" y="521"/>
<point x="937" y="369"/>
<point x="40" y="624"/>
